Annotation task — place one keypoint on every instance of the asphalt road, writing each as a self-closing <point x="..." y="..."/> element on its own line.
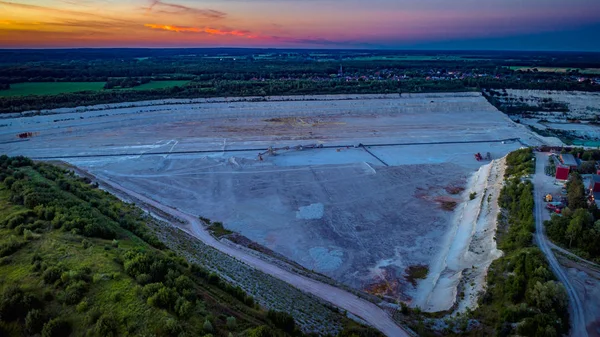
<point x="368" y="311"/>
<point x="576" y="311"/>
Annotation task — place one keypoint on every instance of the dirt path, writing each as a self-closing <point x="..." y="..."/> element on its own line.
<point x="576" y="311"/>
<point x="568" y="253"/>
<point x="338" y="297"/>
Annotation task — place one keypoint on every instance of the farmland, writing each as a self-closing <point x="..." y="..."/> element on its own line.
<point x="57" y="88"/>
<point x="49" y="88"/>
<point x="193" y="73"/>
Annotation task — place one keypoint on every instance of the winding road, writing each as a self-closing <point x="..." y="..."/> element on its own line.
<point x="366" y="310"/>
<point x="578" y="326"/>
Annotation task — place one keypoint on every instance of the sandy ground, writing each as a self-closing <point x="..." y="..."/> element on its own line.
<point x="341" y="220"/>
<point x="359" y="215"/>
<point x="583" y="106"/>
<point x="470" y="246"/>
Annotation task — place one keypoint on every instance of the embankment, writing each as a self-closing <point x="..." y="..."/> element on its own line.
<point x="458" y="274"/>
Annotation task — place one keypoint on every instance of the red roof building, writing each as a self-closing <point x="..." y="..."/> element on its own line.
<point x="562" y="172"/>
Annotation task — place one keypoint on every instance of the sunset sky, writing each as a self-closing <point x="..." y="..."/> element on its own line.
<point x="412" y="24"/>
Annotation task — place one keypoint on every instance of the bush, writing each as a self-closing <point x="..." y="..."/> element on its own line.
<point x="75" y="292"/>
<point x="15" y="304"/>
<point x="34" y="321"/>
<point x="472" y="195"/>
<point x="106" y="326"/>
<point x="207" y="326"/>
<point x="231" y="323"/>
<point x="164" y="298"/>
<point x="282" y="320"/>
<point x="10" y="246"/>
<point x="183" y="308"/>
<point x="262" y="331"/>
<point x="57" y="327"/>
<point x="51" y="275"/>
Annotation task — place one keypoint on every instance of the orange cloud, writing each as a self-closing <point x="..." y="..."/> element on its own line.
<point x="207" y="30"/>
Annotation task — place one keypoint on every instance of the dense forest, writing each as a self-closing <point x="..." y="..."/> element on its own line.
<point x="250" y="72"/>
<point x="76" y="261"/>
<point x="522" y="295"/>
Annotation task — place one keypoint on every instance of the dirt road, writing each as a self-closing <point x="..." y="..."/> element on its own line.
<point x="568" y="253"/>
<point x="576" y="311"/>
<point x="338" y="297"/>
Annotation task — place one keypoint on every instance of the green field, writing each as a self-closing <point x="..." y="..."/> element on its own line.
<point x="55" y="88"/>
<point x="49" y="88"/>
<point x="160" y="85"/>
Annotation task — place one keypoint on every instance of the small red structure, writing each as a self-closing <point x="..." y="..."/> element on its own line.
<point x="595" y="184"/>
<point x="562" y="172"/>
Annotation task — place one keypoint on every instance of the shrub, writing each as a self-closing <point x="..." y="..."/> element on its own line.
<point x="207" y="326"/>
<point x="183" y="308"/>
<point x="82" y="306"/>
<point x="51" y="275"/>
<point x="106" y="326"/>
<point x="143" y="279"/>
<point x="57" y="327"/>
<point x="282" y="320"/>
<point x="75" y="292"/>
<point x="15" y="304"/>
<point x="28" y="235"/>
<point x="34" y="321"/>
<point x="231" y="323"/>
<point x="472" y="195"/>
<point x="164" y="298"/>
<point x="10" y="246"/>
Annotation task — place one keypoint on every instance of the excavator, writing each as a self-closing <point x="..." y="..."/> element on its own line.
<point x="479" y="157"/>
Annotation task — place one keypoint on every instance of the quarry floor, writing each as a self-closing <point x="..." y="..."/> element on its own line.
<point x="363" y="216"/>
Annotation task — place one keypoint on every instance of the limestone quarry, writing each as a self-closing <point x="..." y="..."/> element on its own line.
<point x="360" y="189"/>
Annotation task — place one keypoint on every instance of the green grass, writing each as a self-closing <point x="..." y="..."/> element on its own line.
<point x="159" y="85"/>
<point x="56" y="88"/>
<point x="49" y="88"/>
